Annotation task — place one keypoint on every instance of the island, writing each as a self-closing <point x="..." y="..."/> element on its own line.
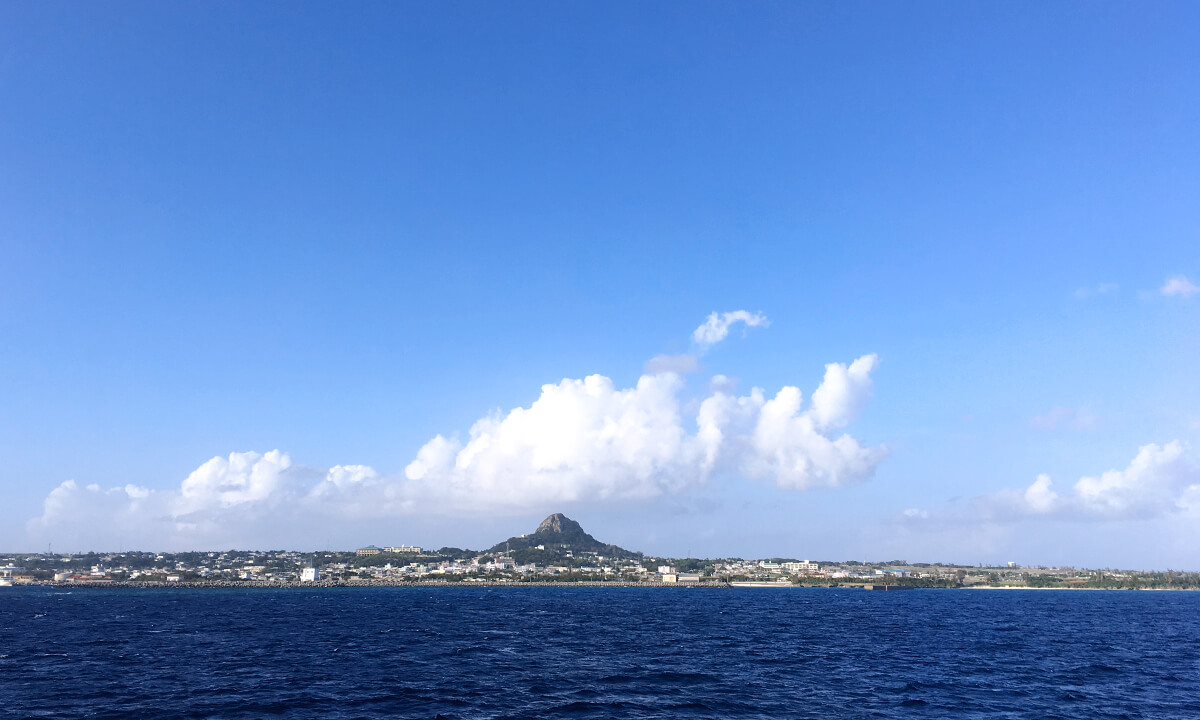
<point x="558" y="552"/>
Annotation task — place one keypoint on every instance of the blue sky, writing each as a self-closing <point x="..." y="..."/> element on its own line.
<point x="340" y="232"/>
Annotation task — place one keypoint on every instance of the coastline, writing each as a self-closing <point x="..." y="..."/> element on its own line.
<point x="1018" y="587"/>
<point x="260" y="585"/>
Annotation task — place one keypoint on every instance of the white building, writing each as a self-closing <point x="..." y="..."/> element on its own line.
<point x="415" y="549"/>
<point x="309" y="574"/>
<point x="801" y="567"/>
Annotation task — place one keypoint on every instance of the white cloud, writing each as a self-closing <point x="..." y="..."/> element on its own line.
<point x="722" y="383"/>
<point x="1155" y="482"/>
<point x="1178" y="286"/>
<point x="1039" y="497"/>
<point x="681" y="364"/>
<point x="587" y="440"/>
<point x="1161" y="480"/>
<point x="84" y="516"/>
<point x="1065" y="418"/>
<point x="242" y="478"/>
<point x="716" y="327"/>
<point x="222" y="501"/>
<point x="581" y="440"/>
<point x="777" y="440"/>
<point x="843" y="392"/>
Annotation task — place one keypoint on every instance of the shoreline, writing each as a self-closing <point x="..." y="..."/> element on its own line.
<point x="1017" y="587"/>
<point x="261" y="585"/>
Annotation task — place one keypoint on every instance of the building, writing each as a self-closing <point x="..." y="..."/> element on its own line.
<point x="90" y="579"/>
<point x="801" y="567"/>
<point x="415" y="549"/>
<point x="368" y="550"/>
<point x="309" y="574"/>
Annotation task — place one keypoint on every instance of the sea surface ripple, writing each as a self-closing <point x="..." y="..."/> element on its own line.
<point x="598" y="653"/>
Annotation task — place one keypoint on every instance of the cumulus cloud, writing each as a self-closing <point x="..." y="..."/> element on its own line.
<point x="83" y="515"/>
<point x="1161" y="480"/>
<point x="581" y="440"/>
<point x="587" y="440"/>
<point x="716" y="327"/>
<point x="797" y="448"/>
<point x="1039" y="498"/>
<point x="722" y="383"/>
<point x="242" y="488"/>
<point x="1178" y="286"/>
<point x="240" y="479"/>
<point x="1156" y="481"/>
<point x="843" y="392"/>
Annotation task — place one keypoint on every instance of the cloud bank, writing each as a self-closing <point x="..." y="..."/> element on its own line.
<point x="587" y="440"/>
<point x="1160" y="481"/>
<point x="580" y="440"/>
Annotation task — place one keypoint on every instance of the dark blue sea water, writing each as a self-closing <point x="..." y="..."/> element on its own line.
<point x="604" y="653"/>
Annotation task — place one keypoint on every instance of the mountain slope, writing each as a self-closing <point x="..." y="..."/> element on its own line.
<point x="559" y="534"/>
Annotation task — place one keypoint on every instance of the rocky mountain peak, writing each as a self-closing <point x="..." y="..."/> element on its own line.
<point x="558" y="523"/>
<point x="557" y="535"/>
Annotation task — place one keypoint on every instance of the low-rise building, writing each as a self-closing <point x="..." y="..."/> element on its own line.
<point x="801" y="567"/>
<point x="90" y="579"/>
<point x="416" y="549"/>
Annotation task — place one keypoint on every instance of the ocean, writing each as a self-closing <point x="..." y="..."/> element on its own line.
<point x="598" y="653"/>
